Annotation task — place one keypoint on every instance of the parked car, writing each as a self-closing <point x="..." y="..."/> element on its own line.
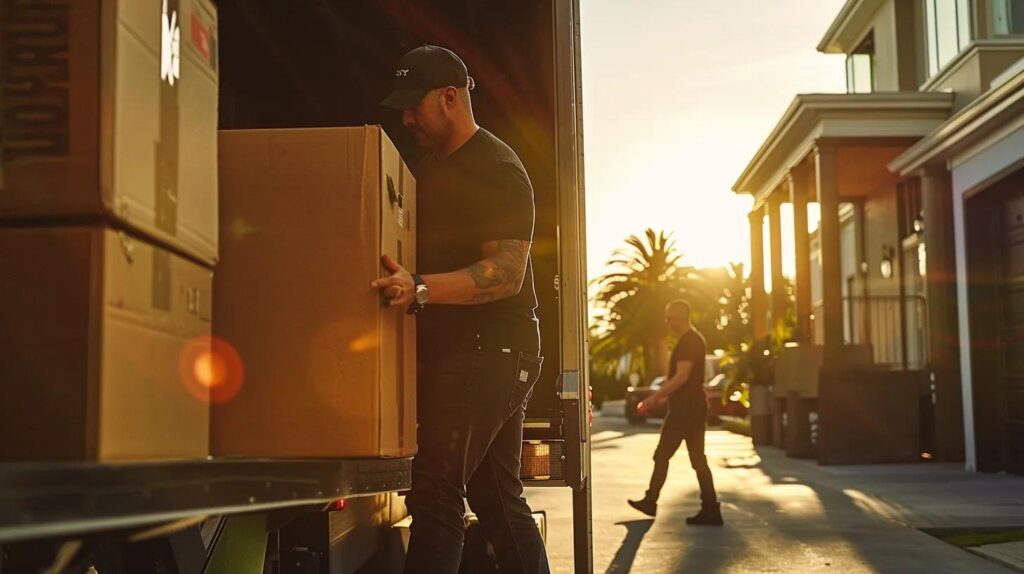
<point x="713" y="390"/>
<point x="717" y="407"/>
<point x="636" y="394"/>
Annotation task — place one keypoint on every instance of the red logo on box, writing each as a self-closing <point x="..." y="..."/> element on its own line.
<point x="201" y="37"/>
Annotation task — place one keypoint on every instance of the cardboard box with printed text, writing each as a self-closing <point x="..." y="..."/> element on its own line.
<point x="109" y="112"/>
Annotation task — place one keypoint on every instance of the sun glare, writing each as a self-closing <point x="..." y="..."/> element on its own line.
<point x="211" y="369"/>
<point x="668" y="133"/>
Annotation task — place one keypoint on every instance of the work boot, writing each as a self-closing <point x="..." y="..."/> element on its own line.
<point x="709" y="515"/>
<point x="645" y="505"/>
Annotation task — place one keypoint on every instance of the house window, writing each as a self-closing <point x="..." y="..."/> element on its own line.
<point x="860" y="67"/>
<point x="949" y="30"/>
<point x="1008" y="17"/>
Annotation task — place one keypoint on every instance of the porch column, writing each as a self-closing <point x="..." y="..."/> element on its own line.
<point x="779" y="298"/>
<point x="760" y="393"/>
<point x="943" y="325"/>
<point x="758" y="309"/>
<point x="799" y="183"/>
<point x="827" y="185"/>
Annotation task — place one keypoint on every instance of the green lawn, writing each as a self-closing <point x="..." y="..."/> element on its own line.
<point x="972" y="539"/>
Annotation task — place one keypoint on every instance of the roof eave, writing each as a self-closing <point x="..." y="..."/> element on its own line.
<point x="812" y="109"/>
<point x="827" y="44"/>
<point x="853" y="16"/>
<point x="741" y="186"/>
<point x="963" y="128"/>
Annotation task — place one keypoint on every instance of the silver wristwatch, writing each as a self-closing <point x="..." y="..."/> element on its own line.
<point x="421" y="295"/>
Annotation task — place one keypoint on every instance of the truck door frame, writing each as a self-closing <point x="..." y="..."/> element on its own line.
<point x="572" y="280"/>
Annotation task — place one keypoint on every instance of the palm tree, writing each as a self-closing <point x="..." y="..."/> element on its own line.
<point x="644" y="276"/>
<point x="747" y="359"/>
<point x="725" y="321"/>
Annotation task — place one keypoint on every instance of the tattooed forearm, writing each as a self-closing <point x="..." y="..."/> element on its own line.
<point x="505" y="269"/>
<point x="485" y="274"/>
<point x="500" y="275"/>
<point x="512" y="256"/>
<point x="481" y="298"/>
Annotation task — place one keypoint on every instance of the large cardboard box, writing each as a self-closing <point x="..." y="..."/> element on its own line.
<point x="330" y="372"/>
<point x="101" y="338"/>
<point x="109" y="110"/>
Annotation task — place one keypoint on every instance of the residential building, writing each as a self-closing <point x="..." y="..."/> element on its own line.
<point x="910" y="292"/>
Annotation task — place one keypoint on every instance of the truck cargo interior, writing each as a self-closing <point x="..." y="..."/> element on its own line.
<point x="252" y="321"/>
<point x="329" y="63"/>
<point x="121" y="221"/>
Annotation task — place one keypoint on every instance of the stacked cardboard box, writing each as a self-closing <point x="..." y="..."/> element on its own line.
<point x="95" y="326"/>
<point x="108" y="227"/>
<point x="330" y="372"/>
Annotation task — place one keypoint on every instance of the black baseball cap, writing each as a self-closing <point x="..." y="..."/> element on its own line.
<point x="423" y="69"/>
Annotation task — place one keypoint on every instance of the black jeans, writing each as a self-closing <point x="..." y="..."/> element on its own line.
<point x="471" y="410"/>
<point x="685" y="422"/>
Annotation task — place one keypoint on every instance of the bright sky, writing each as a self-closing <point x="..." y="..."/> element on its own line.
<point x="678" y="96"/>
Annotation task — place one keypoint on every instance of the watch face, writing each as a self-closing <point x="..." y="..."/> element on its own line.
<point x="422" y="294"/>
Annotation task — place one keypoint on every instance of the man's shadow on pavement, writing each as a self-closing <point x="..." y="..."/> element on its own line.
<point x="635" y="532"/>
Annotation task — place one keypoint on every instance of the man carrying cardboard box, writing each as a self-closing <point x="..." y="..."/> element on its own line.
<point x="479" y="343"/>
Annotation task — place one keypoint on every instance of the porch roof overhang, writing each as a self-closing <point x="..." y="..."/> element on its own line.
<point x="849" y="26"/>
<point x="857" y="117"/>
<point x="982" y="119"/>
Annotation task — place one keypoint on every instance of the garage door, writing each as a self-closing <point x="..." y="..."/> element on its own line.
<point x="1011" y="330"/>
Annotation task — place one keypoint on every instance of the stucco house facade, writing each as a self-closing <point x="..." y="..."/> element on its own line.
<point x="909" y="295"/>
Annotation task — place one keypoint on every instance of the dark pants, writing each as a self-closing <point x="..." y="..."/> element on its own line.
<point x="471" y="410"/>
<point x="683" y="423"/>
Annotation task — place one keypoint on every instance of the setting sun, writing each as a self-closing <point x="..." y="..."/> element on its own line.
<point x="677" y="104"/>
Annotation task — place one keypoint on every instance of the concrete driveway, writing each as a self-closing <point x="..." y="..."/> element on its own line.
<point x="782" y="515"/>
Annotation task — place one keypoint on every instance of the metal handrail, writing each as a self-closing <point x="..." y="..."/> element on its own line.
<point x="895" y="326"/>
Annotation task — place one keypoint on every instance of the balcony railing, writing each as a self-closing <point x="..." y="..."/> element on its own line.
<point x="896" y="328"/>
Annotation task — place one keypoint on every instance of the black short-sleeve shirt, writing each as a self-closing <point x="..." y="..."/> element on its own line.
<point x="479" y="193"/>
<point x="691" y="347"/>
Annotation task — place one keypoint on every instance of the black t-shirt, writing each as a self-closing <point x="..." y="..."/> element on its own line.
<point x="479" y="193"/>
<point x="691" y="347"/>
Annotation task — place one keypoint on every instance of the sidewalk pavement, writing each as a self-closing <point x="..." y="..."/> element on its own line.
<point x="782" y="515"/>
<point x="1010" y="554"/>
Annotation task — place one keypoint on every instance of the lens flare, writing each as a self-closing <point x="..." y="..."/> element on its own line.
<point x="211" y="369"/>
<point x="365" y="342"/>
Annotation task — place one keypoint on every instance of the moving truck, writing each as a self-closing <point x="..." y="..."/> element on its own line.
<point x="96" y="506"/>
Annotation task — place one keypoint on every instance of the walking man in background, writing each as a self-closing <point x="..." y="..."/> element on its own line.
<point x="478" y="336"/>
<point x="687" y="411"/>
